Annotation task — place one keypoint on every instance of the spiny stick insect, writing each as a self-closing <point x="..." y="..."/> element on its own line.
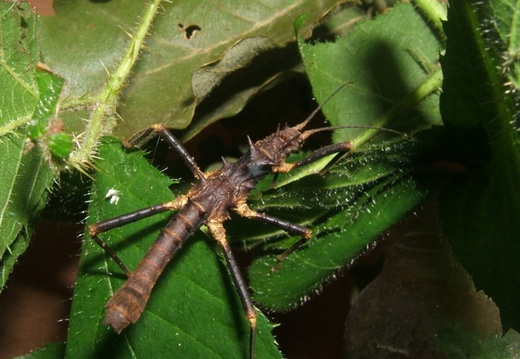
<point x="209" y="202"/>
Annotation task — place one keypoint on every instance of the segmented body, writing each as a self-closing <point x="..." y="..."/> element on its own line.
<point x="129" y="301"/>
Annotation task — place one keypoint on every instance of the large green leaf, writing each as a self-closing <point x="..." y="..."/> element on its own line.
<point x="26" y="175"/>
<point x="194" y="310"/>
<point x="365" y="195"/>
<point x="480" y="108"/>
<point x="392" y="67"/>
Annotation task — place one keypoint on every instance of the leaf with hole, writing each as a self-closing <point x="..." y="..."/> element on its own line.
<point x="87" y="39"/>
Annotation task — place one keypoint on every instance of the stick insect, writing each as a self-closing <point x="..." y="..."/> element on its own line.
<point x="209" y="202"/>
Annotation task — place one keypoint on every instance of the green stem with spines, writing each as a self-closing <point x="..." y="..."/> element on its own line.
<point x="103" y="116"/>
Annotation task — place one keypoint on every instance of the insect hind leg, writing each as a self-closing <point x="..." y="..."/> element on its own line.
<point x="112" y="254"/>
<point x="219" y="233"/>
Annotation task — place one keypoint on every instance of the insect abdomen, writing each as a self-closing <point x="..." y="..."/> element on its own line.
<point x="129" y="301"/>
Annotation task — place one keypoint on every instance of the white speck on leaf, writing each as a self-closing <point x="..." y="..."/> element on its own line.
<point x="114" y="195"/>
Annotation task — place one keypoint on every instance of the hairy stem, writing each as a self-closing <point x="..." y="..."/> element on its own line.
<point x="103" y="116"/>
<point x="435" y="11"/>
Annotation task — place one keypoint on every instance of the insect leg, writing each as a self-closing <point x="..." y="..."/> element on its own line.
<point x="338" y="148"/>
<point x="244" y="210"/>
<point x="103" y="226"/>
<point x="96" y="228"/>
<point x="112" y="254"/>
<point x="219" y="233"/>
<point x="176" y="145"/>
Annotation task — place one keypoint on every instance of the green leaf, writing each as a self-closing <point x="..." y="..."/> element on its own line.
<point x="44" y="128"/>
<point x="60" y="145"/>
<point x="359" y="199"/>
<point x="185" y="37"/>
<point x="26" y="175"/>
<point x="17" y="62"/>
<point x="479" y="210"/>
<point x="258" y="59"/>
<point x="365" y="195"/>
<point x="45" y="109"/>
<point x="391" y="65"/>
<point x="506" y="14"/>
<point x="194" y="310"/>
<point x="51" y="351"/>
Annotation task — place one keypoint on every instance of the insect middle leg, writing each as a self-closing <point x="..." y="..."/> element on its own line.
<point x="95" y="229"/>
<point x="244" y="210"/>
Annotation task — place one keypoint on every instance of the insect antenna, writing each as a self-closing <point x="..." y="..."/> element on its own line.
<point x="308" y="133"/>
<point x="302" y="125"/>
<point x="340" y="127"/>
<point x="339" y="155"/>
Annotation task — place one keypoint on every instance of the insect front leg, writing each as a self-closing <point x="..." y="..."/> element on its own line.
<point x="176" y="145"/>
<point x="339" y="148"/>
<point x="219" y="233"/>
<point x="97" y="228"/>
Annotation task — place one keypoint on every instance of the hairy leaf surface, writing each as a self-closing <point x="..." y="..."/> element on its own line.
<point x="25" y="176"/>
<point x="482" y="115"/>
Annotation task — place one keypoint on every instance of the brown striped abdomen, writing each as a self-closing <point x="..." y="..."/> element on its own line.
<point x="129" y="301"/>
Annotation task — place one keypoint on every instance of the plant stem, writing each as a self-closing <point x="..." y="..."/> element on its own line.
<point x="103" y="116"/>
<point x="435" y="11"/>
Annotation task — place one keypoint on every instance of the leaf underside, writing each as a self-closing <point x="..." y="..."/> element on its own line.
<point x="188" y="39"/>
